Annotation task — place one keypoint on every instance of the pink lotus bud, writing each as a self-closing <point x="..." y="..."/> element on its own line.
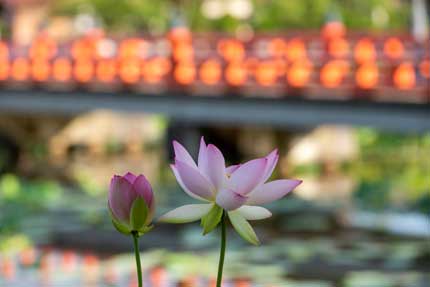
<point x="131" y="203"/>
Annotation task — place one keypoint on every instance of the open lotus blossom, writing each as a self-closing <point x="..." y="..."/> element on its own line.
<point x="131" y="203"/>
<point x="237" y="189"/>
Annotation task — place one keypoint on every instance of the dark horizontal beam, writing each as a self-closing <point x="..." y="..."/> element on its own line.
<point x="284" y="113"/>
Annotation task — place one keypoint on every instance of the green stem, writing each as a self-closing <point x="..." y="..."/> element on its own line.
<point x="222" y="250"/>
<point x="137" y="255"/>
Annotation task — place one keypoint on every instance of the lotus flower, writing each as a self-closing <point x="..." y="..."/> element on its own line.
<point x="237" y="189"/>
<point x="131" y="203"/>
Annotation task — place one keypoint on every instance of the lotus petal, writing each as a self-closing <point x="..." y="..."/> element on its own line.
<point x="186" y="213"/>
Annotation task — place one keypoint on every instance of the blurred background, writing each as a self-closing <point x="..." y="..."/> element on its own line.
<point x="92" y="88"/>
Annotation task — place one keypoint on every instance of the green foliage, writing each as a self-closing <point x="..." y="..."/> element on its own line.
<point x="392" y="170"/>
<point x="313" y="170"/>
<point x="87" y="184"/>
<point x="22" y="200"/>
<point x="398" y="163"/>
<point x="9" y="186"/>
<point x="157" y="16"/>
<point x="281" y="15"/>
<point x="14" y="243"/>
<point x="373" y="195"/>
<point x="398" y="13"/>
<point x="125" y="15"/>
<point x="35" y="194"/>
<point x="114" y="147"/>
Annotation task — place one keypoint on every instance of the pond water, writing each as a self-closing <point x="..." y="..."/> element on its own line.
<point x="352" y="224"/>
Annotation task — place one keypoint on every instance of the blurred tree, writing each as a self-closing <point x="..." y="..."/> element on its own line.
<point x="396" y="167"/>
<point x="157" y="16"/>
<point x="123" y="16"/>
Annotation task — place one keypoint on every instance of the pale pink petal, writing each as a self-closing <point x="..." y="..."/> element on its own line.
<point x="182" y="154"/>
<point x="195" y="181"/>
<point x="143" y="188"/>
<point x="272" y="191"/>
<point x="130" y="177"/>
<point x="232" y="168"/>
<point x="230" y="200"/>
<point x="202" y="160"/>
<point x="186" y="213"/>
<point x="182" y="185"/>
<point x="248" y="176"/>
<point x="254" y="212"/>
<point x="215" y="166"/>
<point x="272" y="160"/>
<point x="120" y="198"/>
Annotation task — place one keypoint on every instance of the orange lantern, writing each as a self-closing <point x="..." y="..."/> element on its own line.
<point x="333" y="29"/>
<point x="132" y="48"/>
<point x="44" y="48"/>
<point x="82" y="49"/>
<point x="404" y="76"/>
<point x="425" y="69"/>
<point x="210" y="72"/>
<point x="183" y="52"/>
<point x="333" y="73"/>
<point x="266" y="73"/>
<point x="236" y="74"/>
<point x="83" y="71"/>
<point x="231" y="49"/>
<point x="185" y="73"/>
<point x="4" y="69"/>
<point x="338" y="48"/>
<point x="299" y="73"/>
<point x="155" y="69"/>
<point x="62" y="69"/>
<point x="296" y="50"/>
<point x="20" y="69"/>
<point x="4" y="51"/>
<point x="129" y="71"/>
<point x="367" y="76"/>
<point x="180" y="34"/>
<point x="393" y="48"/>
<point x="277" y="47"/>
<point x="40" y="70"/>
<point x="364" y="51"/>
<point x="106" y="71"/>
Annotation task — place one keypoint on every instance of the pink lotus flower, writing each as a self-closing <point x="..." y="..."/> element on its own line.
<point x="131" y="203"/>
<point x="237" y="189"/>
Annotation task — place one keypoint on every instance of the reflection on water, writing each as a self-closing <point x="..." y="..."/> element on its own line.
<point x="317" y="262"/>
<point x="355" y="222"/>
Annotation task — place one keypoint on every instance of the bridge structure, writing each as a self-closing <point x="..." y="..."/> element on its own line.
<point x="292" y="79"/>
